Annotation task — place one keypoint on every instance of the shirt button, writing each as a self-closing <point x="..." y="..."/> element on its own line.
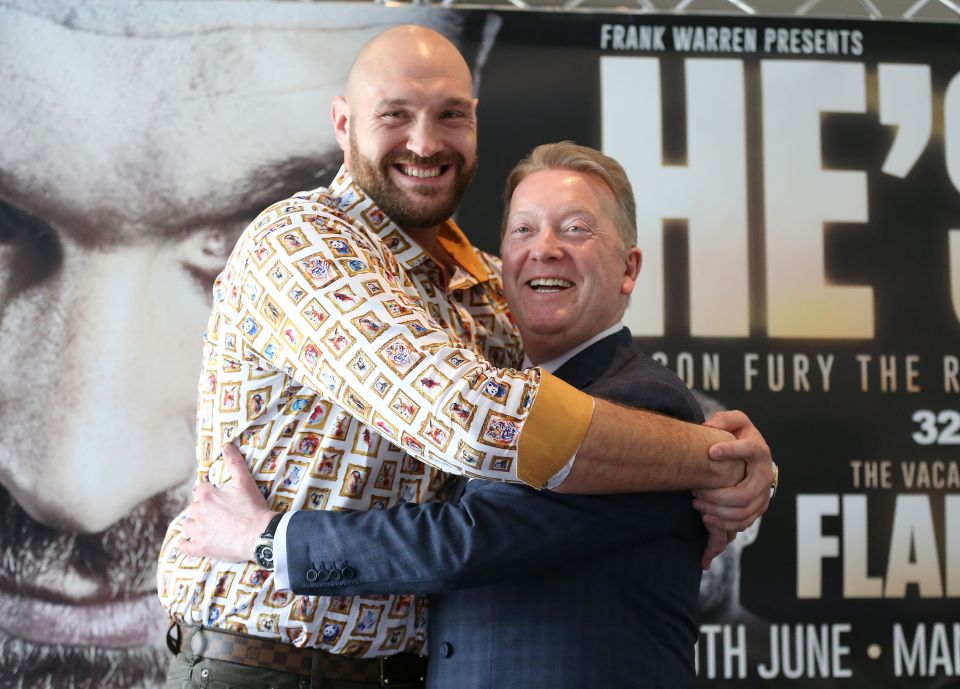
<point x="446" y="649"/>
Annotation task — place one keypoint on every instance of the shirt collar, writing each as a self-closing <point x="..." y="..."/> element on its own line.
<point x="350" y="198"/>
<point x="553" y="364"/>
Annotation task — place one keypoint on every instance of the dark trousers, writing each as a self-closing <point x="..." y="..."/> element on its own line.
<point x="203" y="673"/>
<point x="191" y="670"/>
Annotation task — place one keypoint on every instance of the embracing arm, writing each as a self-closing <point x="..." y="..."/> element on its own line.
<point x="318" y="294"/>
<point x="496" y="530"/>
<point x="433" y="547"/>
<point x="632" y="450"/>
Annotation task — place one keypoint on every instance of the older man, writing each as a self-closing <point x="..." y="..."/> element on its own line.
<point x="532" y="588"/>
<point x="343" y="347"/>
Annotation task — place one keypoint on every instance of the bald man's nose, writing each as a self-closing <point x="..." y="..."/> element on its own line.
<point x="100" y="415"/>
<point x="425" y="139"/>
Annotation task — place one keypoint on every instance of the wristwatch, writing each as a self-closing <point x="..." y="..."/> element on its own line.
<point x="776" y="480"/>
<point x="263" y="550"/>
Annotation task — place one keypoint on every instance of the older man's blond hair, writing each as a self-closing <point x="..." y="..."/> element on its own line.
<point x="566" y="155"/>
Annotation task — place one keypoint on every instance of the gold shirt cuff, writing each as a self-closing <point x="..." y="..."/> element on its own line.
<point x="555" y="427"/>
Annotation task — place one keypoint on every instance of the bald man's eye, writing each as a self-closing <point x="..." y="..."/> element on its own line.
<point x="30" y="249"/>
<point x="205" y="253"/>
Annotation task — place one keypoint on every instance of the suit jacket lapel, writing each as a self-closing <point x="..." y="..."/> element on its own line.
<point x="594" y="361"/>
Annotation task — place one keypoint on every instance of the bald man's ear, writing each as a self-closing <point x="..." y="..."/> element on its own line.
<point x="340" y="114"/>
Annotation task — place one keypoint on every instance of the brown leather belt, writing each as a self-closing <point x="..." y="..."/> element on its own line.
<point x="402" y="669"/>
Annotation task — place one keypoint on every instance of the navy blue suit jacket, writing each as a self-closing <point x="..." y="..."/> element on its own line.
<point x="530" y="588"/>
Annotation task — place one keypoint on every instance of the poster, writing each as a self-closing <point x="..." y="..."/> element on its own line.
<point x="798" y="184"/>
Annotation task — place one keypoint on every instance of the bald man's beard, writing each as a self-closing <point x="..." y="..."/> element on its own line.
<point x="121" y="564"/>
<point x="28" y="665"/>
<point x="433" y="205"/>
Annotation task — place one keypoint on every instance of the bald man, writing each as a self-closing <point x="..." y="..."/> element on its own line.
<point x="119" y="205"/>
<point x="359" y="347"/>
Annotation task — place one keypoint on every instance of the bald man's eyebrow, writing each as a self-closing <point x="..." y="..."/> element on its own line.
<point x="452" y="102"/>
<point x="228" y="208"/>
<point x="260" y="188"/>
<point x="285" y="178"/>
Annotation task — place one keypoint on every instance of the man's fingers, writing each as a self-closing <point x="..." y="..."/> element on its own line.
<point x="187" y="544"/>
<point x="735" y="508"/>
<point x="727" y="420"/>
<point x="736" y="496"/>
<point x="742" y="448"/>
<point x="737" y="512"/>
<point x="203" y="491"/>
<point x="732" y="526"/>
<point x="717" y="540"/>
<point x="729" y="510"/>
<point x="236" y="465"/>
<point x="231" y="454"/>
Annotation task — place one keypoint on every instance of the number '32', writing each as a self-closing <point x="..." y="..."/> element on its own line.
<point x="941" y="428"/>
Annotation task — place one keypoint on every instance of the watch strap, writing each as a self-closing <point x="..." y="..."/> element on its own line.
<point x="271" y="529"/>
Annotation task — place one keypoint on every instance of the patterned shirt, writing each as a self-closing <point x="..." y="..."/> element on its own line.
<point x="339" y="363"/>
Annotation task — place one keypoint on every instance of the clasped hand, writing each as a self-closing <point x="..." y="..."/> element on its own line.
<point x="225" y="523"/>
<point x="727" y="511"/>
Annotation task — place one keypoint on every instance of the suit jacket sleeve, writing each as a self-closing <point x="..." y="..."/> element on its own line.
<point x="438" y="547"/>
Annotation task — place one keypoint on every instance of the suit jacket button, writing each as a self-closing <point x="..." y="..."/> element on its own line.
<point x="348" y="573"/>
<point x="323" y="575"/>
<point x="335" y="575"/>
<point x="446" y="649"/>
<point x="311" y="575"/>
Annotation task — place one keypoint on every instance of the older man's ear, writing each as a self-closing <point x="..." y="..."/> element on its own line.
<point x="633" y="262"/>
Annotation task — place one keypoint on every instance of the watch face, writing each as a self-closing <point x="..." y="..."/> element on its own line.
<point x="264" y="555"/>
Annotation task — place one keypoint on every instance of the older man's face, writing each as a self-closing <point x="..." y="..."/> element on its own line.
<point x="566" y="272"/>
<point x="138" y="141"/>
